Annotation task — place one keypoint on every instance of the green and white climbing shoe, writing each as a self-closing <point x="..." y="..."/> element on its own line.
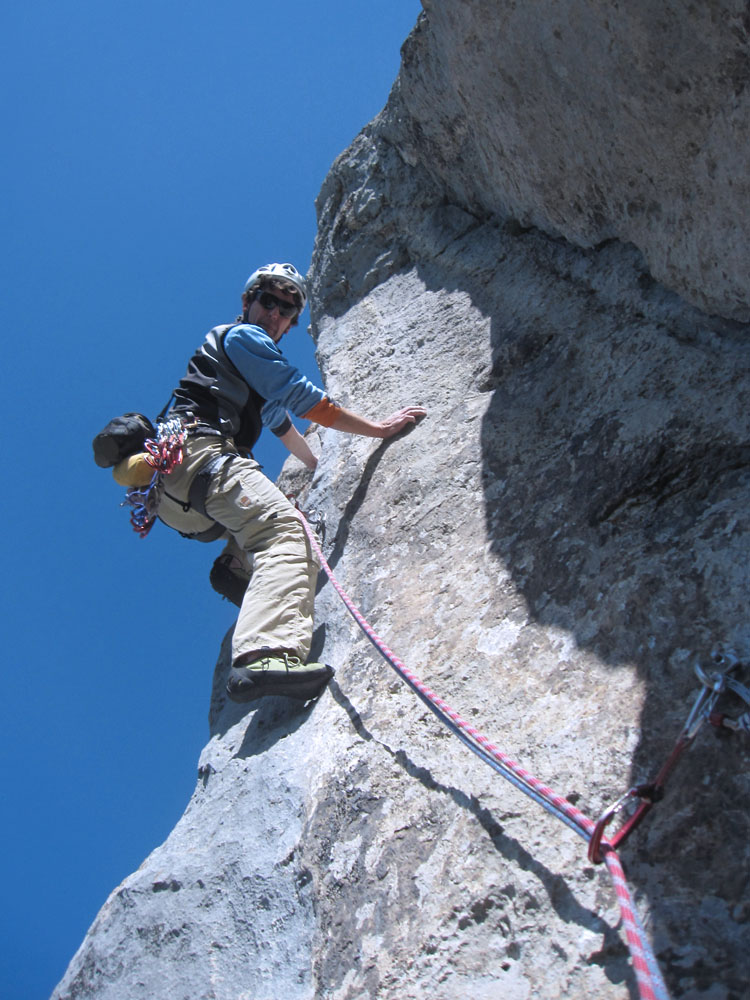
<point x="277" y="673"/>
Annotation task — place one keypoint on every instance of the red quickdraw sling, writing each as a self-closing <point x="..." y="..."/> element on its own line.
<point x="715" y="683"/>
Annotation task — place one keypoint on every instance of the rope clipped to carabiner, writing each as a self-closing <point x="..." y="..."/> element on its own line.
<point x="715" y="683"/>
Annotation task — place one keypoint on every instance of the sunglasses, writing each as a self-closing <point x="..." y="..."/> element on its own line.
<point x="270" y="302"/>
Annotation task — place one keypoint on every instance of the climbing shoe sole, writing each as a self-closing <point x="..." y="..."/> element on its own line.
<point x="246" y="685"/>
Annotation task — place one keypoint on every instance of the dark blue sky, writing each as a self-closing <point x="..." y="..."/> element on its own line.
<point x="155" y="153"/>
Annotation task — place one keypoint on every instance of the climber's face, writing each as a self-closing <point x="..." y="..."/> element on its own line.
<point x="265" y="310"/>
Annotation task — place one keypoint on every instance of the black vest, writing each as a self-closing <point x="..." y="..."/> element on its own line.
<point x="216" y="394"/>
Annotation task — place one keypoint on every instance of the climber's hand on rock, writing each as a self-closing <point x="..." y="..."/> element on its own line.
<point x="397" y="421"/>
<point x="352" y="423"/>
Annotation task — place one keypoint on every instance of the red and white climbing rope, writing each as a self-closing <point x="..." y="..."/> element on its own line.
<point x="651" y="986"/>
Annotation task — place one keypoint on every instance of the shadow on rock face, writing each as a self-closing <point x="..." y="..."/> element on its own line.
<point x="616" y="476"/>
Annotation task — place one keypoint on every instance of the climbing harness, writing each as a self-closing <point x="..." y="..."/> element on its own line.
<point x="651" y="985"/>
<point x="715" y="683"/>
<point x="163" y="453"/>
<point x="198" y="491"/>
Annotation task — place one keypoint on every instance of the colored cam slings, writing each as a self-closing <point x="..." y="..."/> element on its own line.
<point x="163" y="453"/>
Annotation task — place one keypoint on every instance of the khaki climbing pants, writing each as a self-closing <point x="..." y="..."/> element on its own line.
<point x="277" y="610"/>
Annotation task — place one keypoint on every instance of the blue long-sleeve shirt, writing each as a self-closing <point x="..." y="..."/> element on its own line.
<point x="238" y="382"/>
<point x="261" y="363"/>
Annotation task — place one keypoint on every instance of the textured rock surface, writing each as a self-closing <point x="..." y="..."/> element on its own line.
<point x="550" y="550"/>
<point x="594" y="121"/>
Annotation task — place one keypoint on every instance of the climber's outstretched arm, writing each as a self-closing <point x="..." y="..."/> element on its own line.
<point x="352" y="423"/>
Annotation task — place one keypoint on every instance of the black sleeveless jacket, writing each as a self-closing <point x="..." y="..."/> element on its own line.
<point x="217" y="395"/>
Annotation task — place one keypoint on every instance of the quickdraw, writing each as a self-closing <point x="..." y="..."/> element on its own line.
<point x="164" y="453"/>
<point x="715" y="683"/>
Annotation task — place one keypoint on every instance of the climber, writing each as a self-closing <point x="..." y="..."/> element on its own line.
<point x="236" y="383"/>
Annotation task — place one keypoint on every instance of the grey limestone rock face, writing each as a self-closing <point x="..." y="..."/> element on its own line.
<point x="550" y="550"/>
<point x="594" y="121"/>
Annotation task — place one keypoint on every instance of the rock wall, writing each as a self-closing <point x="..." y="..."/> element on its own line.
<point x="550" y="550"/>
<point x="594" y="121"/>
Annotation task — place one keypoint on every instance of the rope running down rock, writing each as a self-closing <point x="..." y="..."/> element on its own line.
<point x="651" y="985"/>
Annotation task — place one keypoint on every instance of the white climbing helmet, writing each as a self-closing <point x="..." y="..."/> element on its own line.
<point x="285" y="276"/>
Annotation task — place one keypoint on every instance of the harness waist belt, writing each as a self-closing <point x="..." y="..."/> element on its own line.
<point x="202" y="480"/>
<point x="197" y="494"/>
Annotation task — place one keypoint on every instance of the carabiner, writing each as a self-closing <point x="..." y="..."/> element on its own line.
<point x="714" y="684"/>
<point x="594" y="852"/>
